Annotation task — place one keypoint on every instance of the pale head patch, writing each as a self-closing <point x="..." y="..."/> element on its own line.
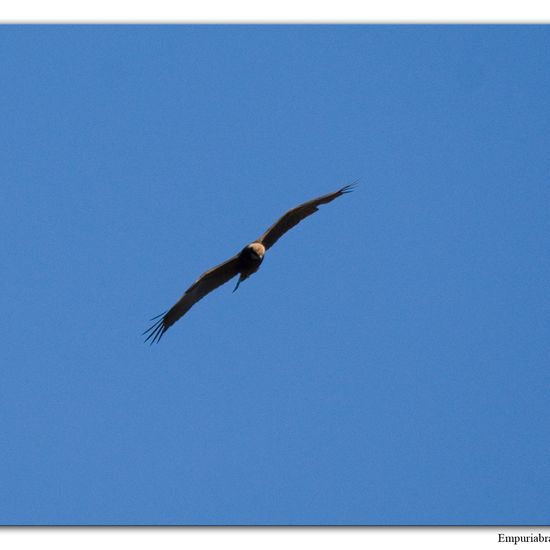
<point x="258" y="248"/>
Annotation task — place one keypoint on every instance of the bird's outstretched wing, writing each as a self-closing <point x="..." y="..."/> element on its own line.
<point x="206" y="283"/>
<point x="296" y="215"/>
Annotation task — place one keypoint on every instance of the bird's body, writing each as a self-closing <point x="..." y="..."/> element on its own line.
<point x="250" y="259"/>
<point x="244" y="264"/>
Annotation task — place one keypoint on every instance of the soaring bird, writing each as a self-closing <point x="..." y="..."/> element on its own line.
<point x="244" y="264"/>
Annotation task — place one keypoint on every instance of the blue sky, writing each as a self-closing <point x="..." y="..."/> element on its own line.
<point x="388" y="364"/>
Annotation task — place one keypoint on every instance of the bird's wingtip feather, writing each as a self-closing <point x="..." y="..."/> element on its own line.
<point x="155" y="331"/>
<point x="349" y="188"/>
<point x="159" y="315"/>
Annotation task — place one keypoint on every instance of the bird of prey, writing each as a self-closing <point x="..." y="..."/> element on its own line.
<point x="244" y="264"/>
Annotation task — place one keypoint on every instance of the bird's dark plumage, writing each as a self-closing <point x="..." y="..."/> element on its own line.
<point x="296" y="215"/>
<point x="206" y="283"/>
<point x="243" y="264"/>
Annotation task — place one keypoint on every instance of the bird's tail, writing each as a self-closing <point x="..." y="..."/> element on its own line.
<point x="241" y="279"/>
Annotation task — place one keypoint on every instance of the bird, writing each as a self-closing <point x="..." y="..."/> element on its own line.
<point x="244" y="264"/>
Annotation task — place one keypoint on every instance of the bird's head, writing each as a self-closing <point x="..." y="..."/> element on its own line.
<point x="257" y="248"/>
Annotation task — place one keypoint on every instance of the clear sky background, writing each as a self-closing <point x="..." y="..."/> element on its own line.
<point x="388" y="364"/>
